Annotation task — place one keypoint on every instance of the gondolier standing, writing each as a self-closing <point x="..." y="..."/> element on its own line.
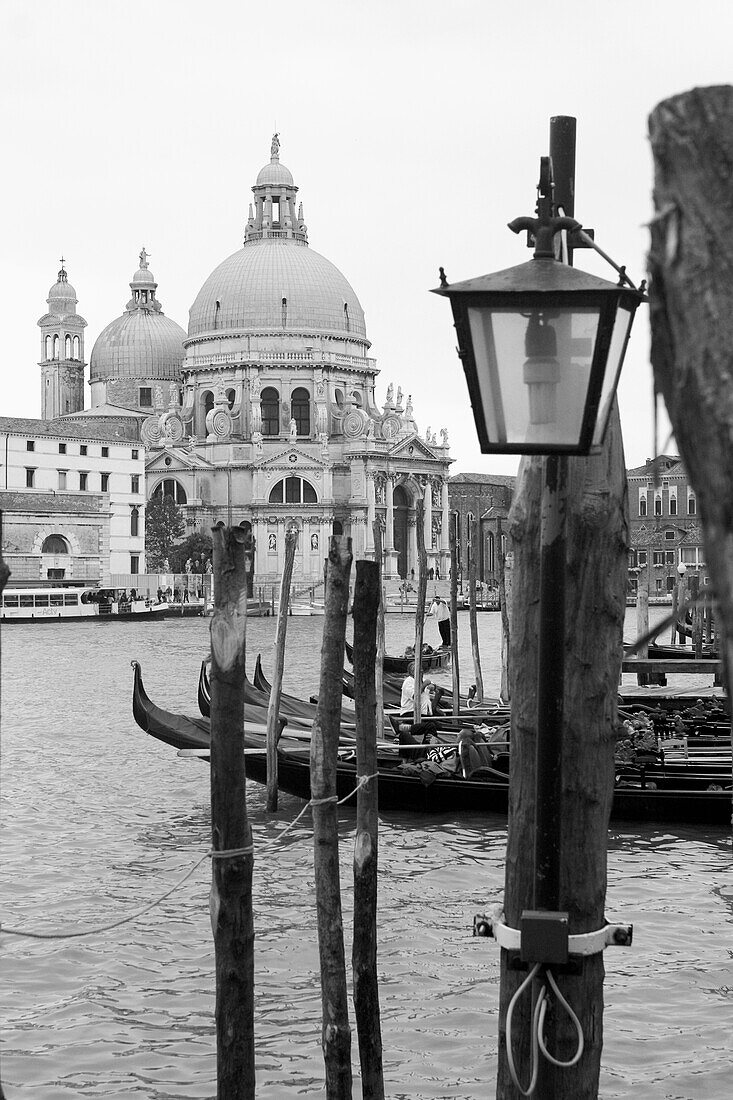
<point x="439" y="608"/>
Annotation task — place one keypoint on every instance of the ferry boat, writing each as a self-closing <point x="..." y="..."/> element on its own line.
<point x="30" y="605"/>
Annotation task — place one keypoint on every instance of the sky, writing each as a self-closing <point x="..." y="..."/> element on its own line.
<point x="414" y="131"/>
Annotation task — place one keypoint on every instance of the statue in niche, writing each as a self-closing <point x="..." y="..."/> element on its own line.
<point x="369" y="433"/>
<point x="159" y="403"/>
<point x="254" y="387"/>
<point x="173" y="396"/>
<point x="221" y="393"/>
<point x="293" y="429"/>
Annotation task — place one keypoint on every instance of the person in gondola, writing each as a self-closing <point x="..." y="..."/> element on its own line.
<point x="407" y="697"/>
<point x="439" y="608"/>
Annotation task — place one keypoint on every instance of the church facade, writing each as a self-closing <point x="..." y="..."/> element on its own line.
<point x="272" y="422"/>
<point x="265" y="413"/>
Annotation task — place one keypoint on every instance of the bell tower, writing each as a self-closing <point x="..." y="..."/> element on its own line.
<point x="62" y="351"/>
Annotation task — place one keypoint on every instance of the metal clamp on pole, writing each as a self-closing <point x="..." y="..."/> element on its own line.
<point x="542" y="934"/>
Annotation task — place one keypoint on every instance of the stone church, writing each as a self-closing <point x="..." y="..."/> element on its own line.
<point x="264" y="414"/>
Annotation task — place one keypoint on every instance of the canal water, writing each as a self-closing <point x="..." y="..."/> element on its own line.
<point x="100" y="820"/>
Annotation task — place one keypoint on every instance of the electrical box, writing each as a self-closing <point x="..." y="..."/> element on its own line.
<point x="544" y="937"/>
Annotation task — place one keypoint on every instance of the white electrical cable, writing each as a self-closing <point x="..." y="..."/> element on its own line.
<point x="541" y="1038"/>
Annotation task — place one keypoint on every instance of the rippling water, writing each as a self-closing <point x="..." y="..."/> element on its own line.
<point x="100" y="820"/>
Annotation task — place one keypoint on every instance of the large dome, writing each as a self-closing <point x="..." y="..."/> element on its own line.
<point x="138" y="345"/>
<point x="277" y="285"/>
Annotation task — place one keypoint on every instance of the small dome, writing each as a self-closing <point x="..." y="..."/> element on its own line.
<point x="144" y="275"/>
<point x="62" y="288"/>
<point x="274" y="173"/>
<point x="139" y="344"/>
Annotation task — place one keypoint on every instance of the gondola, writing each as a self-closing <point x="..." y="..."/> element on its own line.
<point x="179" y="730"/>
<point x="298" y="712"/>
<point x="438" y="658"/>
<point x="637" y="797"/>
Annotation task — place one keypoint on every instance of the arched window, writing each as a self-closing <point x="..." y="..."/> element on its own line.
<point x="347" y="323"/>
<point x="231" y="397"/>
<point x="339" y="398"/>
<point x="77" y="348"/>
<point x="48" y="347"/>
<point x="134" y="521"/>
<point x="55" y="544"/>
<point x="171" y="488"/>
<point x="67" y="347"/>
<point x="293" y="490"/>
<point x="56" y="346"/>
<point x="270" y="406"/>
<point x="207" y="400"/>
<point x="642" y="506"/>
<point x="301" y="411"/>
<point x="358" y="401"/>
<point x="338" y="527"/>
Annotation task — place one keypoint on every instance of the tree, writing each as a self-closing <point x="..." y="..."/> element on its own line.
<point x="196" y="546"/>
<point x="163" y="526"/>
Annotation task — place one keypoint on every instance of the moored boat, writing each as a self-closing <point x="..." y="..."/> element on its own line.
<point x="436" y="658"/>
<point x="680" y="796"/>
<point x="66" y="604"/>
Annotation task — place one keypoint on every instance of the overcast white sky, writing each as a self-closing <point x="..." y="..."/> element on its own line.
<point x="413" y="129"/>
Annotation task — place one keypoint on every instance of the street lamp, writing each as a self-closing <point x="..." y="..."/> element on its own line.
<point x="542" y="346"/>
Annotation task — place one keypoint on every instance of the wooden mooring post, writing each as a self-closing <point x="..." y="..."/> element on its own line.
<point x="692" y="323"/>
<point x="273" y="706"/>
<point x="422" y="586"/>
<point x="454" y="566"/>
<point x="231" y="878"/>
<point x="570" y="800"/>
<point x="471" y="537"/>
<point x="364" y="951"/>
<point x="335" y="1030"/>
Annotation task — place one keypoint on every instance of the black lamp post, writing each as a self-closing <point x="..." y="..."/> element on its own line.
<point x="542" y="346"/>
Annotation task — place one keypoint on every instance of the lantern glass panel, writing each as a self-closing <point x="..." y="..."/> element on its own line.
<point x="534" y="371"/>
<point x="616" y="352"/>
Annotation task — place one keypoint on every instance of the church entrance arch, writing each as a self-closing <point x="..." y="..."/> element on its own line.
<point x="401" y="509"/>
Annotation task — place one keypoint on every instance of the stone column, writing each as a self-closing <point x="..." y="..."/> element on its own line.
<point x="371" y="513"/>
<point x="428" y="520"/>
<point x="280" y="547"/>
<point x="389" y="531"/>
<point x="445" y="532"/>
<point x="412" y="542"/>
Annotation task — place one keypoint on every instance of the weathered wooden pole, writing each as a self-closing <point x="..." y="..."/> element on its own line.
<point x="454" y="562"/>
<point x="692" y="323"/>
<point x="335" y="1030"/>
<point x="231" y="881"/>
<point x="571" y="801"/>
<point x="379" y="667"/>
<point x="506" y="574"/>
<point x="364" y="951"/>
<point x="471" y="536"/>
<point x="422" y="585"/>
<point x="273" y="706"/>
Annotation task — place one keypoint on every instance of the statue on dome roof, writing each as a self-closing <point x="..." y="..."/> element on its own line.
<point x="275" y="146"/>
<point x="143" y="257"/>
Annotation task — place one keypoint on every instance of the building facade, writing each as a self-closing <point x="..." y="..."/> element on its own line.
<point x="73" y="499"/>
<point x="664" y="527"/>
<point x="274" y="423"/>
<point x="487" y="498"/>
<point x="263" y="414"/>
